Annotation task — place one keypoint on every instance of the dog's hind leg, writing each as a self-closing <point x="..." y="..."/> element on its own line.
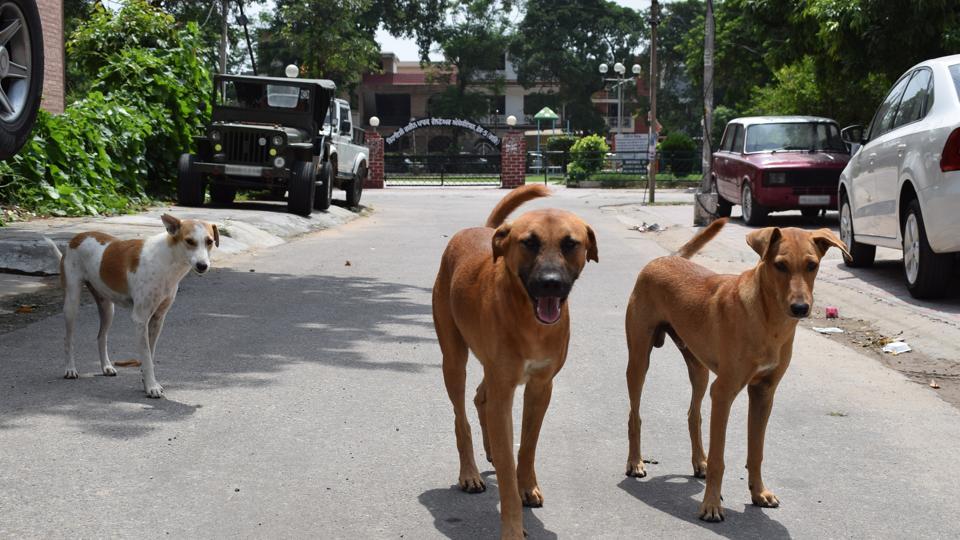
<point x="105" y="309"/>
<point x="71" y="305"/>
<point x="699" y="378"/>
<point x="455" y="355"/>
<point x="640" y="336"/>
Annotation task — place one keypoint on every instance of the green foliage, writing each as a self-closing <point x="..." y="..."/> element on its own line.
<point x="561" y="143"/>
<point x="148" y="96"/>
<point x="679" y="154"/>
<point x="586" y="157"/>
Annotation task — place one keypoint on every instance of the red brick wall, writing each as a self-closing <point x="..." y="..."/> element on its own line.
<point x="51" y="18"/>
<point x="513" y="160"/>
<point x="375" y="171"/>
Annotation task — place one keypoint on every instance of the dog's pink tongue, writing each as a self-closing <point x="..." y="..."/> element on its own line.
<point x="548" y="309"/>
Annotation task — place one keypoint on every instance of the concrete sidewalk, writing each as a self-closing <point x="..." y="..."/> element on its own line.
<point x="24" y="256"/>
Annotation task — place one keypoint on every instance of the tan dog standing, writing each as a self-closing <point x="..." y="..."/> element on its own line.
<point x="501" y="292"/>
<point x="740" y="327"/>
<point x="139" y="274"/>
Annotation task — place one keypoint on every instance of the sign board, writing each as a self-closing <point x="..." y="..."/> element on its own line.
<point x="632" y="150"/>
<point x="444" y="122"/>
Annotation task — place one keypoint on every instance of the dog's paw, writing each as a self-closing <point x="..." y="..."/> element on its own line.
<point x="700" y="469"/>
<point x="472" y="483"/>
<point x="636" y="470"/>
<point x="711" y="511"/>
<point x="765" y="499"/>
<point x="109" y="371"/>
<point x="71" y="373"/>
<point x="513" y="533"/>
<point x="532" y="497"/>
<point x="153" y="391"/>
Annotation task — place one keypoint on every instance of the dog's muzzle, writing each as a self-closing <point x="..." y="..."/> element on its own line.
<point x="201" y="268"/>
<point x="548" y="292"/>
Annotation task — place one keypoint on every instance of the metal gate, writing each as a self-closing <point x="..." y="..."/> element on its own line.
<point x="442" y="170"/>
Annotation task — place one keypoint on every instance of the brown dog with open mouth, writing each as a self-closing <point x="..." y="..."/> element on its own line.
<point x="740" y="327"/>
<point x="501" y="292"/>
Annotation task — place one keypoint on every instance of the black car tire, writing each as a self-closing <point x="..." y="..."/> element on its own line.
<point x="355" y="189"/>
<point x="25" y="48"/>
<point x="190" y="188"/>
<point x="222" y="195"/>
<point x="861" y="255"/>
<point x="724" y="207"/>
<point x="934" y="269"/>
<point x="301" y="189"/>
<point x="325" y="189"/>
<point x="753" y="213"/>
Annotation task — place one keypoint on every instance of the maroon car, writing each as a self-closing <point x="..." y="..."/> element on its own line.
<point x="772" y="163"/>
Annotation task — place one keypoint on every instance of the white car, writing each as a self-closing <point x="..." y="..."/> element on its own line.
<point x="901" y="189"/>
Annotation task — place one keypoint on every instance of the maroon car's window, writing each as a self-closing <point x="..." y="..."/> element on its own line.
<point x="911" y="105"/>
<point x="728" y="135"/>
<point x="883" y="120"/>
<point x="738" y="140"/>
<point x="955" y="73"/>
<point x="786" y="136"/>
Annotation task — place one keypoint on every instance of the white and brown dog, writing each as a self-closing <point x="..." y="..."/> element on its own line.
<point x="141" y="274"/>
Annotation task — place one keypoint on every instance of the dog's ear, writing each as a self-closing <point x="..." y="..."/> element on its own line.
<point x="216" y="235"/>
<point x="592" y="254"/>
<point x="764" y="241"/>
<point x="824" y="239"/>
<point x="171" y="223"/>
<point x="500" y="238"/>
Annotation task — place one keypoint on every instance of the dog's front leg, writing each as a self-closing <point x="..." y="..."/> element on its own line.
<point x="722" y="394"/>
<point x="150" y="384"/>
<point x="761" y="403"/>
<point x="536" y="399"/>
<point x="499" y="413"/>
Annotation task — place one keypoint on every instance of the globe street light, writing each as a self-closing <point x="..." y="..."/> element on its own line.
<point x="619" y="81"/>
<point x="511" y="120"/>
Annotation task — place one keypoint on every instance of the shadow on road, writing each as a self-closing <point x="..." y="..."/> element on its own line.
<point x="230" y="328"/>
<point x="466" y="516"/>
<point x="679" y="496"/>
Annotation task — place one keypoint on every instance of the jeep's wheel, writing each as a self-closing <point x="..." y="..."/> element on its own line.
<point x="21" y="72"/>
<point x="301" y="188"/>
<point x="325" y="189"/>
<point x="860" y="254"/>
<point x="927" y="273"/>
<point x="222" y="195"/>
<point x="723" y="206"/>
<point x="190" y="186"/>
<point x="753" y="214"/>
<point x="356" y="187"/>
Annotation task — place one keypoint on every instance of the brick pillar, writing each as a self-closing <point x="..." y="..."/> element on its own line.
<point x="51" y="19"/>
<point x="375" y="165"/>
<point x="513" y="160"/>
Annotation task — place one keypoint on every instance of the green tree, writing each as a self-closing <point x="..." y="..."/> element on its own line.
<point x="564" y="42"/>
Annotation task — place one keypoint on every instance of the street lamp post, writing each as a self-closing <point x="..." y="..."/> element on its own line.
<point x="619" y="81"/>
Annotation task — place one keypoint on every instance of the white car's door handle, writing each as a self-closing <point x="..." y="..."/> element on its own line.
<point x="872" y="155"/>
<point x="901" y="146"/>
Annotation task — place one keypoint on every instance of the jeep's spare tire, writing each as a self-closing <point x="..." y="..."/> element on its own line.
<point x="21" y="72"/>
<point x="190" y="188"/>
<point x="301" y="188"/>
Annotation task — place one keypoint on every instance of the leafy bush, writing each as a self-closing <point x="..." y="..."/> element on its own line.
<point x="679" y="154"/>
<point x="586" y="157"/>
<point x="561" y="145"/>
<point x="148" y="94"/>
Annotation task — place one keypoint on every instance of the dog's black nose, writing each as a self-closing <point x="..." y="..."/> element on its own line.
<point x="799" y="310"/>
<point x="551" y="284"/>
<point x="202" y="267"/>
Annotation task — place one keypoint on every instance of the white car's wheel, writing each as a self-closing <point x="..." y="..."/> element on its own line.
<point x="926" y="273"/>
<point x="860" y="254"/>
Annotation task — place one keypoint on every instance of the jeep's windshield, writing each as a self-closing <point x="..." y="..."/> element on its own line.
<point x="251" y="95"/>
<point x="805" y="136"/>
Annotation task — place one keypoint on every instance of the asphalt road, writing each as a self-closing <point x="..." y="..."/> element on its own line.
<point x="304" y="399"/>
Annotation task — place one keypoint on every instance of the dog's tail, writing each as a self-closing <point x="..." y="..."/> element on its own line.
<point x="513" y="200"/>
<point x="697" y="242"/>
<point x="53" y="246"/>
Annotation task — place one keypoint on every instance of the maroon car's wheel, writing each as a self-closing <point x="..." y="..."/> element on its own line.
<point x="723" y="206"/>
<point x="753" y="213"/>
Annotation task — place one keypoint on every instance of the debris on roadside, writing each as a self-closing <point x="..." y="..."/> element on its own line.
<point x="933" y="384"/>
<point x="644" y="227"/>
<point x="896" y="347"/>
<point x="832" y="312"/>
<point x="347" y="263"/>
<point x="26" y="308"/>
<point x="828" y="330"/>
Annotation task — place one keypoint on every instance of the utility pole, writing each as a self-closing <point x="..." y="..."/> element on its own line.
<point x="652" y="167"/>
<point x="704" y="208"/>
<point x="223" y="36"/>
